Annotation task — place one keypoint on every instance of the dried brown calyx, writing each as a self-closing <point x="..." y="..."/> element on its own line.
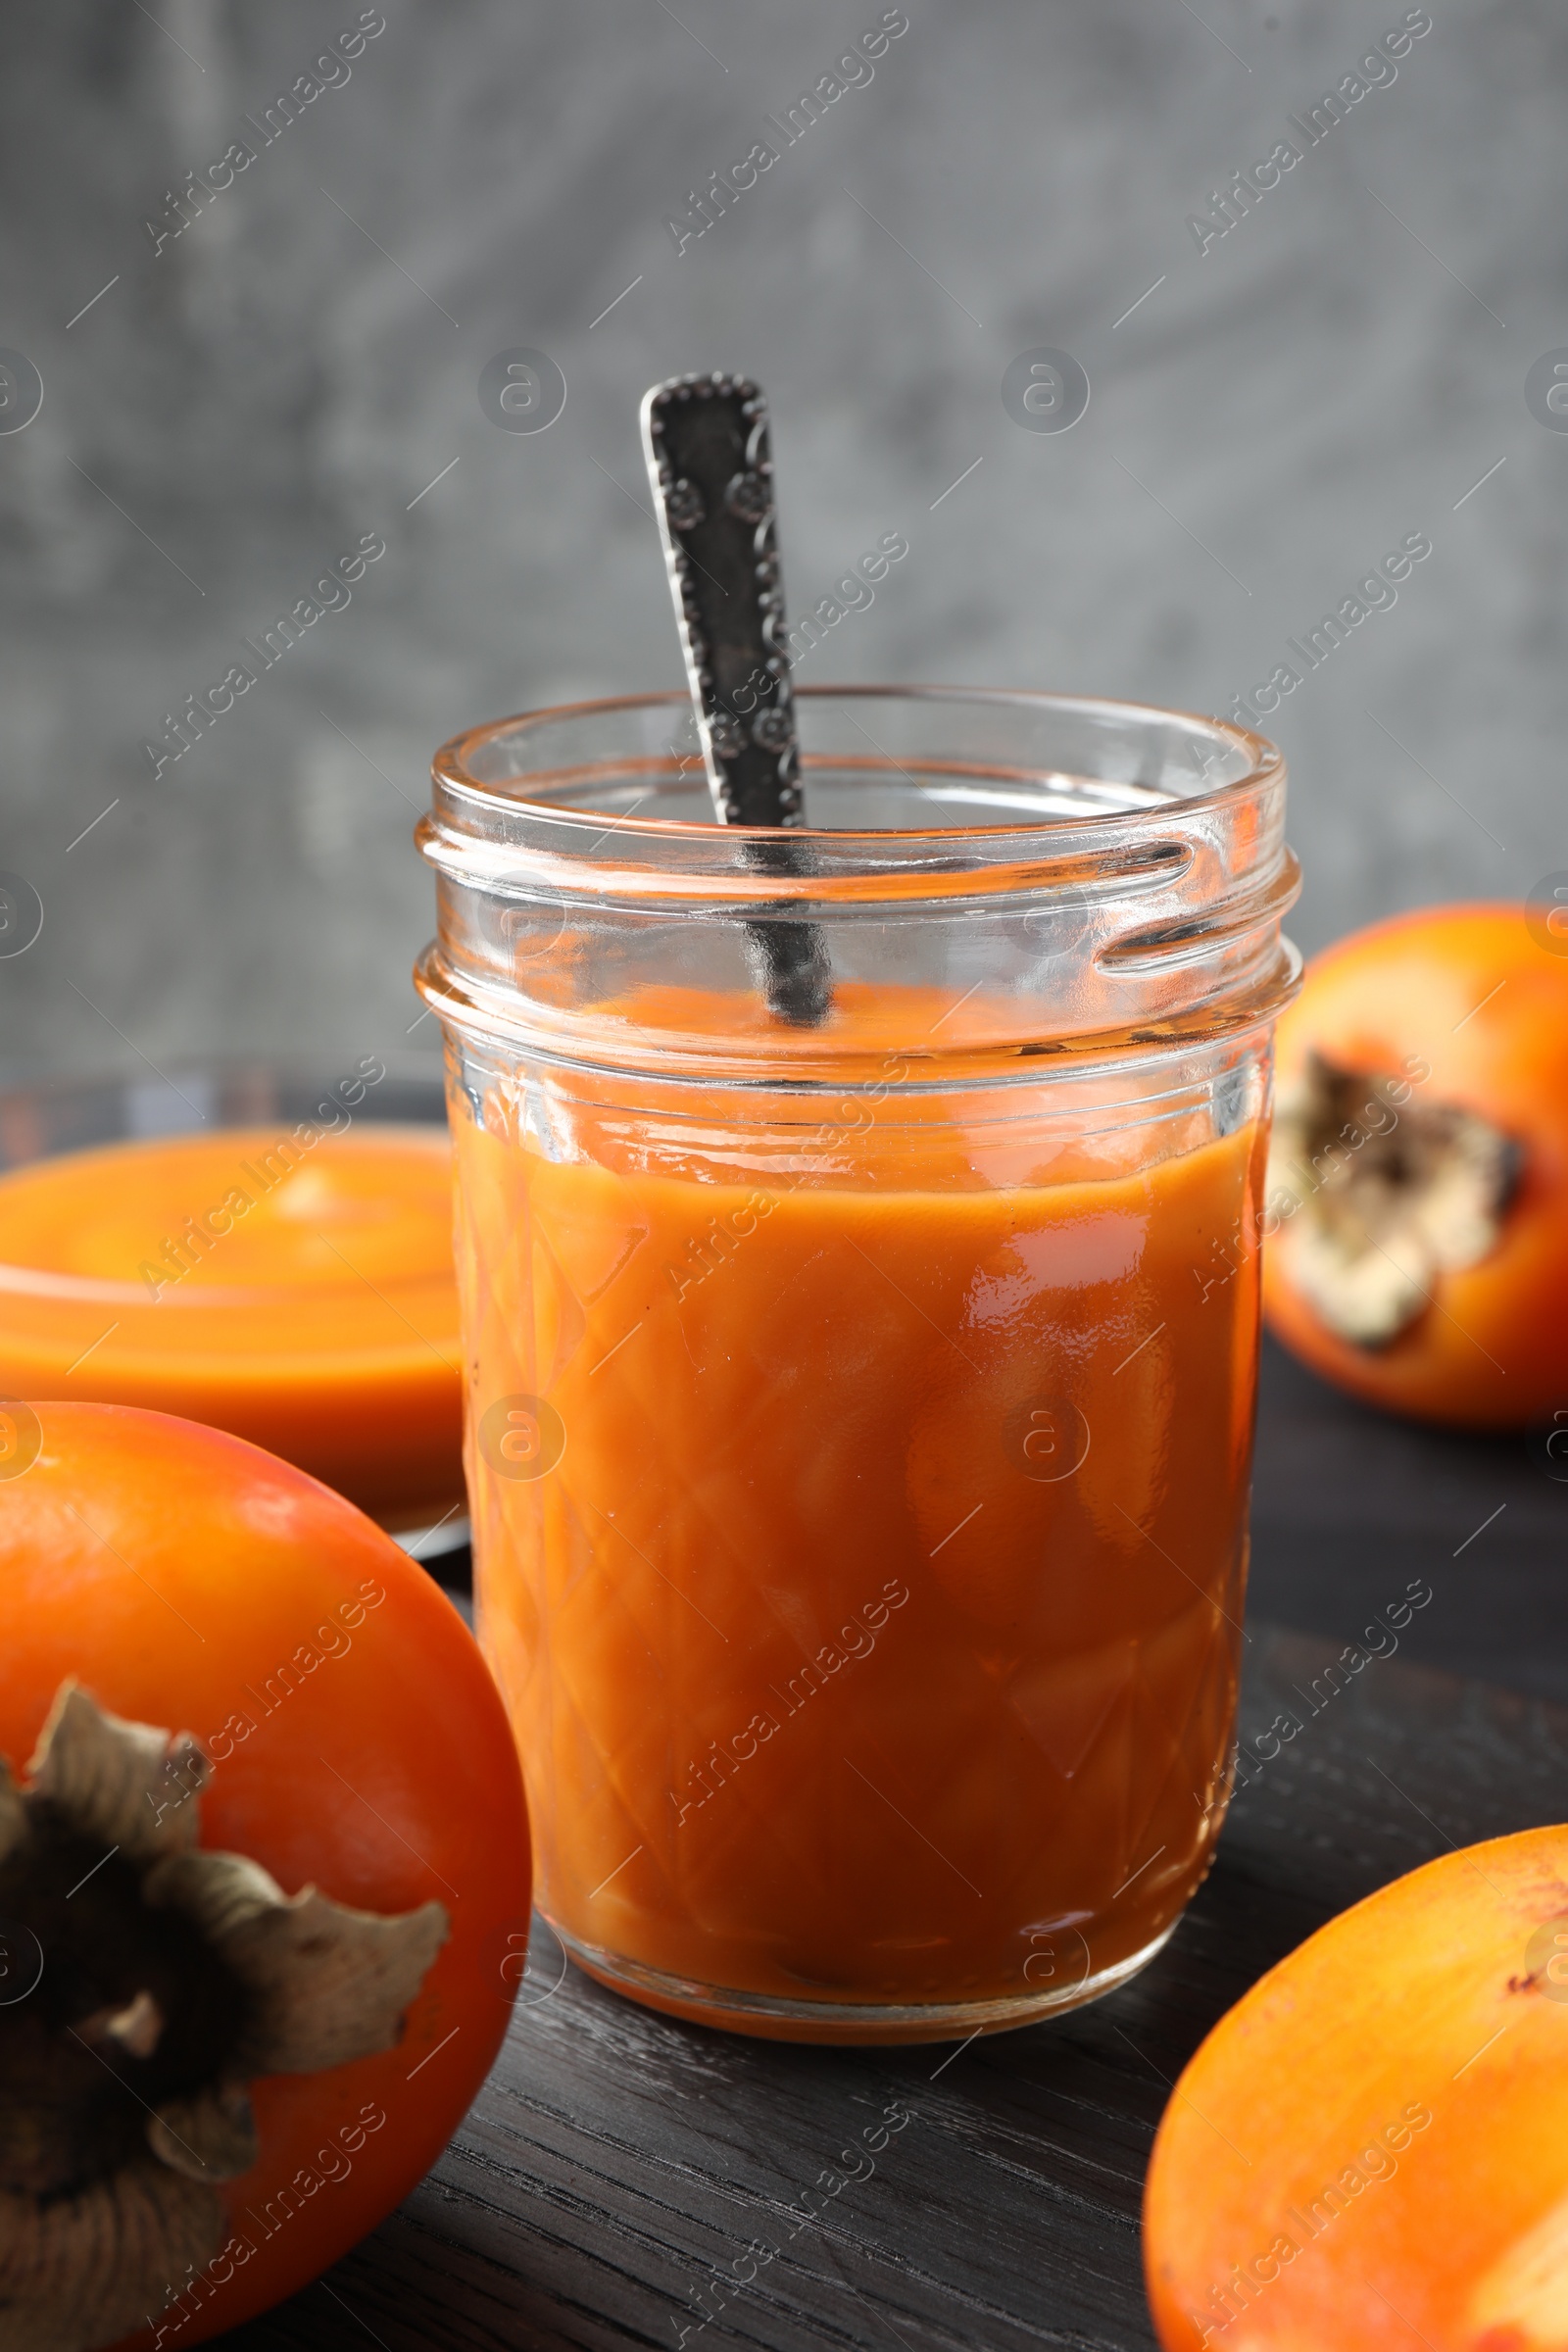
<point x="1379" y="1192"/>
<point x="145" y="1985"/>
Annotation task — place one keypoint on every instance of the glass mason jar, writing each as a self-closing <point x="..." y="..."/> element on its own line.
<point x="860" y="1409"/>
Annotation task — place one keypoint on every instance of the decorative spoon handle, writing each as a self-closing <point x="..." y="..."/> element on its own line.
<point x="707" y="443"/>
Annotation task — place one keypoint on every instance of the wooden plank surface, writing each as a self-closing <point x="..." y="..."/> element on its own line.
<point x="1347" y="1506"/>
<point x="624" y="2179"/>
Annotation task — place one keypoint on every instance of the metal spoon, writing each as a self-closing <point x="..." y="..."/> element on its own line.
<point x="709" y="461"/>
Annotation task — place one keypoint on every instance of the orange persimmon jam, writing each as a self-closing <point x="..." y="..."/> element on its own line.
<point x="293" y="1288"/>
<point x="858" y="1230"/>
<point x="862" y="1550"/>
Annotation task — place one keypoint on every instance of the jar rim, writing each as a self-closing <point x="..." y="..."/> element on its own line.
<point x="1129" y="902"/>
<point x="451" y="765"/>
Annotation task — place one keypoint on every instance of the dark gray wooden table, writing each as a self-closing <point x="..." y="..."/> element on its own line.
<point x="624" y="2179"/>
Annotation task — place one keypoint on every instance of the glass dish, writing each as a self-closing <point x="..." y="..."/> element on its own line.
<point x="244" y="1348"/>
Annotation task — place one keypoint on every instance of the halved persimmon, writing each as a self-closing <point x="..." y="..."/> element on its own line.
<point x="1368" y="2154"/>
<point x="1417" y="1221"/>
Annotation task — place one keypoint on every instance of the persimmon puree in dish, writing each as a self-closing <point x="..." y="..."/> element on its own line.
<point x="860" y="1411"/>
<point x="295" y="1288"/>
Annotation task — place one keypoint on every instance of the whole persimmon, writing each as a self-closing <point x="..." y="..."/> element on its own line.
<point x="263" y="1877"/>
<point x="1416" y="1226"/>
<point x="1367" y="2153"/>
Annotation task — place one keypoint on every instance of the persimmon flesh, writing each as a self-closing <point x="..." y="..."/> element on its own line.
<point x="1417" y="1223"/>
<point x="1368" y="2151"/>
<point x="184" y="1579"/>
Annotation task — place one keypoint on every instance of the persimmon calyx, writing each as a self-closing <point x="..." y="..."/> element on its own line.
<point x="144" y="1983"/>
<point x="1379" y="1194"/>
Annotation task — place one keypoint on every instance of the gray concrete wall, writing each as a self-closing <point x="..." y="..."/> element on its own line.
<point x="1332" y="373"/>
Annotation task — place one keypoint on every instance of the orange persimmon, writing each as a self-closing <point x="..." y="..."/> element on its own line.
<point x="1417" y="1222"/>
<point x="221" y="1687"/>
<point x="1367" y="2153"/>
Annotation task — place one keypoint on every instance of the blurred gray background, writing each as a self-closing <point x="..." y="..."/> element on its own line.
<point x="227" y="414"/>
